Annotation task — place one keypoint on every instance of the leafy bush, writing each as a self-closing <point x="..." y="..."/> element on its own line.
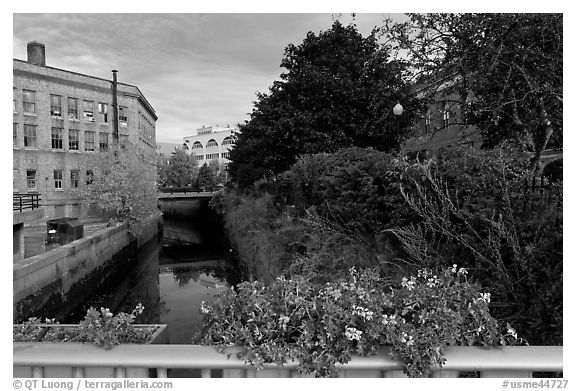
<point x="99" y="327"/>
<point x="322" y="326"/>
<point x="476" y="208"/>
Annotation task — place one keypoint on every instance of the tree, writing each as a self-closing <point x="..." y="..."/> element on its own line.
<point x="338" y="91"/>
<point x="219" y="170"/>
<point x="206" y="177"/>
<point x="506" y="68"/>
<point x="123" y="184"/>
<point x="181" y="170"/>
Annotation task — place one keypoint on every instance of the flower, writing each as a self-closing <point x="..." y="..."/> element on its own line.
<point x="408" y="284"/>
<point x="353" y="333"/>
<point x="407" y="339"/>
<point x="462" y="271"/>
<point x="205" y="309"/>
<point x="364" y="313"/>
<point x="106" y="312"/>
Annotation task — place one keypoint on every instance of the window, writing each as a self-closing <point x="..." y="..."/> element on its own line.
<point x="103" y="138"/>
<point x="89" y="110"/>
<point x="199" y="157"/>
<point x="56" y="105"/>
<point x="73" y="139"/>
<point x="123" y="139"/>
<point x="15" y="134"/>
<point x="211" y="143"/>
<point x="446" y="116"/>
<point x="226" y="155"/>
<point x="123" y="115"/>
<point x="58" y="179"/>
<point x="31" y="179"/>
<point x="103" y="110"/>
<point x="197" y="145"/>
<point x="74" y="178"/>
<point x="427" y="122"/>
<point x="14" y="108"/>
<point x="211" y="156"/>
<point x="57" y="138"/>
<point x="89" y="177"/>
<point x="30" y="136"/>
<point x="88" y="141"/>
<point x="228" y="141"/>
<point x="29" y="101"/>
<point x="73" y="108"/>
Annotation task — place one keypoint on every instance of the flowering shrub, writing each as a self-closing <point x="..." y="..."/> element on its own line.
<point x="100" y="327"/>
<point x="320" y="327"/>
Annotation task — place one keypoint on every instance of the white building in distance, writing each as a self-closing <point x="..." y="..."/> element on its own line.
<point x="211" y="143"/>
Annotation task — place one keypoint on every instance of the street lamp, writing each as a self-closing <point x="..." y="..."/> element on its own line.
<point x="398" y="109"/>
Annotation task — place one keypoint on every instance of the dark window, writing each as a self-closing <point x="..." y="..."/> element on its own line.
<point x="58" y="179"/>
<point x="73" y="108"/>
<point x="57" y="138"/>
<point x="88" y="141"/>
<point x="56" y="105"/>
<point x="30" y="136"/>
<point x="29" y="101"/>
<point x="73" y="139"/>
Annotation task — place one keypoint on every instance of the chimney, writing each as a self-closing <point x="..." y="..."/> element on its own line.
<point x="36" y="53"/>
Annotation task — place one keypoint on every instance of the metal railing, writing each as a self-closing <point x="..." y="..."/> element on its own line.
<point x="23" y="201"/>
<point x="39" y="359"/>
<point x="188" y="189"/>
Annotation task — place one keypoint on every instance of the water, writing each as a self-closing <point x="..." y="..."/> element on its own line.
<point x="172" y="278"/>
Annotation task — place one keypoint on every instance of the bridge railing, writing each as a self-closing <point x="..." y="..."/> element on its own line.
<point x="188" y="189"/>
<point x="42" y="359"/>
<point x="23" y="201"/>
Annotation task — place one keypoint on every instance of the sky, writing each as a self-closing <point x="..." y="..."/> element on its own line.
<point x="195" y="69"/>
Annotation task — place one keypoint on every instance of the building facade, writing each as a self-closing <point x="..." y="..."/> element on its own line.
<point x="59" y="119"/>
<point x="211" y="143"/>
<point x="444" y="124"/>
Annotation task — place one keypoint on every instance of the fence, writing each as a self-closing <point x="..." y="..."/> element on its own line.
<point x="37" y="360"/>
<point x="22" y="202"/>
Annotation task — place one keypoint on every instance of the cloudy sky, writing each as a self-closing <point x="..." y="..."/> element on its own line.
<point x="195" y="69"/>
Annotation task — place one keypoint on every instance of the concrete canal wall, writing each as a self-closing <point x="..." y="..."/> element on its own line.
<point x="59" y="280"/>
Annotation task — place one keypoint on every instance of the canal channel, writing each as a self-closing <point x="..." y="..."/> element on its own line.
<point x="171" y="276"/>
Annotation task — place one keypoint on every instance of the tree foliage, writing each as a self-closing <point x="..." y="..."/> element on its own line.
<point x="123" y="184"/>
<point x="506" y="68"/>
<point x="206" y="177"/>
<point x="181" y="170"/>
<point x="338" y="90"/>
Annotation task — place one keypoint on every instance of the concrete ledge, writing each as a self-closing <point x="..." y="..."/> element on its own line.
<point x="27" y="216"/>
<point x="513" y="360"/>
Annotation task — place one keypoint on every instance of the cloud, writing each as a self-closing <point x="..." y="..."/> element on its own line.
<point x="195" y="69"/>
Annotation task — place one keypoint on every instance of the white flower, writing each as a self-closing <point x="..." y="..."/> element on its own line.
<point x="353" y="334"/>
<point x="408" y="284"/>
<point x="407" y="339"/>
<point x="205" y="309"/>
<point x="454" y="267"/>
<point x="462" y="271"/>
<point x="389" y="320"/>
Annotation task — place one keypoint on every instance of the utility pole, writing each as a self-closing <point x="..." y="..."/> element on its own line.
<point x="115" y="136"/>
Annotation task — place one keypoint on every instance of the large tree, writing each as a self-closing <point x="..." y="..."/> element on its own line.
<point x="180" y="170"/>
<point x="338" y="91"/>
<point x="506" y="69"/>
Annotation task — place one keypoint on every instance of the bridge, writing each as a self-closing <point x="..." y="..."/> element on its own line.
<point x="186" y="193"/>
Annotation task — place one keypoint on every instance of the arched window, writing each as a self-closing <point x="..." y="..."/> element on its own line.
<point x="228" y="141"/>
<point x="197" y="145"/>
<point x="211" y="143"/>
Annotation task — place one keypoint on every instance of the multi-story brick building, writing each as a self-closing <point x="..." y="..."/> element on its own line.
<point x="61" y="117"/>
<point x="444" y="124"/>
<point x="211" y="143"/>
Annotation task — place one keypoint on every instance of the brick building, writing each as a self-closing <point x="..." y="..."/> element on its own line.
<point x="444" y="125"/>
<point x="60" y="117"/>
